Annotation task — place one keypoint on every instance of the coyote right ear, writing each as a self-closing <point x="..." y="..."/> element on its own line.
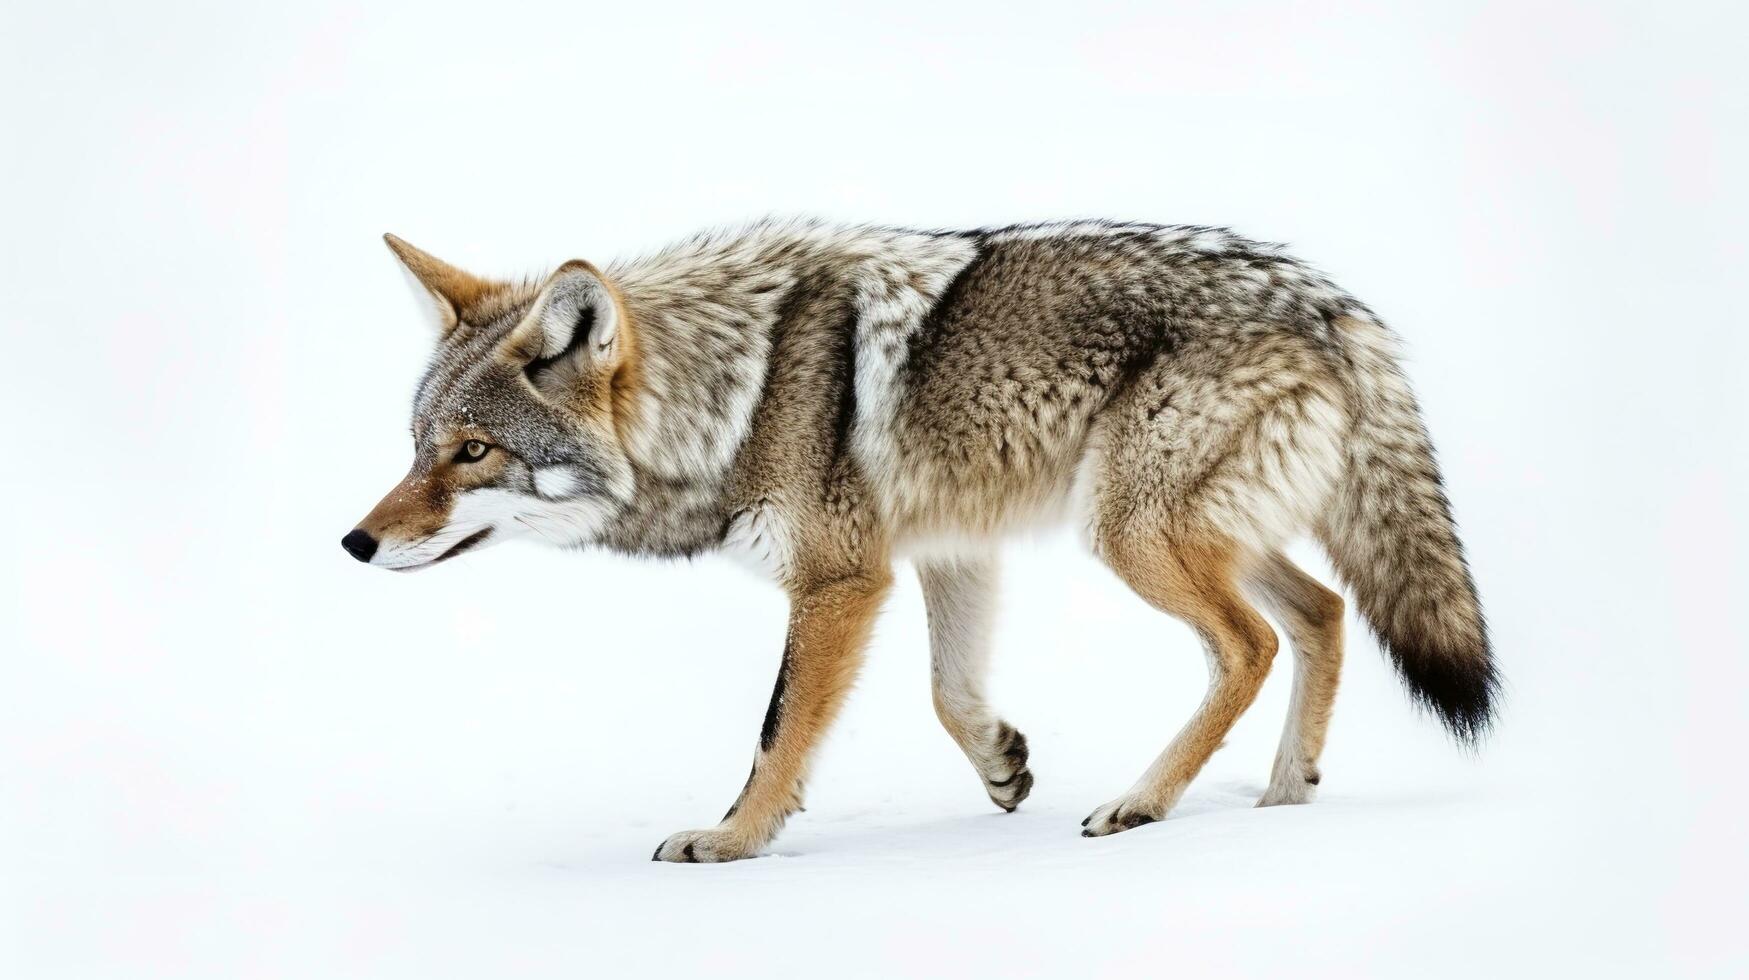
<point x="575" y="321"/>
<point x="450" y="290"/>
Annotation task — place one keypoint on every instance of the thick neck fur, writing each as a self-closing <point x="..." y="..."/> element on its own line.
<point x="704" y="314"/>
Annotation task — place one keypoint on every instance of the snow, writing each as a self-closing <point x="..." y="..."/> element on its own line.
<point x="453" y="786"/>
<point x="228" y="750"/>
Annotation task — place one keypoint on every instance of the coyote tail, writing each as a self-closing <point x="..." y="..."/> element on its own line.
<point x="1391" y="538"/>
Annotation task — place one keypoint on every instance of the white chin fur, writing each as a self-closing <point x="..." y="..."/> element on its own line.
<point x="508" y="515"/>
<point x="411" y="554"/>
<point x="561" y="522"/>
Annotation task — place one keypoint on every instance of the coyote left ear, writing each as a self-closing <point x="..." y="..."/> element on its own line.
<point x="451" y="290"/>
<point x="576" y="320"/>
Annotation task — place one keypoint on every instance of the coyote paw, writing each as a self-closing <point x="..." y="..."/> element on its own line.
<point x="1121" y="814"/>
<point x="1293" y="787"/>
<point x="704" y="847"/>
<point x="1006" y="777"/>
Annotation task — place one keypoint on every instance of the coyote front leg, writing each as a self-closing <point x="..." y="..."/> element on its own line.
<point x="958" y="596"/>
<point x="828" y="628"/>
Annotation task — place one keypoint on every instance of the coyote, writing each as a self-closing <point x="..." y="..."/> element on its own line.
<point x="823" y="399"/>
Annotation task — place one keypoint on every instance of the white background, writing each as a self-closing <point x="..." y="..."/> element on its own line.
<point x="228" y="750"/>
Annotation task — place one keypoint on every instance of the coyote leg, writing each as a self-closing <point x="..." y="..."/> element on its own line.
<point x="829" y="627"/>
<point x="958" y="595"/>
<point x="1312" y="616"/>
<point x="1193" y="577"/>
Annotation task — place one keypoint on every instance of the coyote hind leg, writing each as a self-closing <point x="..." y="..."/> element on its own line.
<point x="1193" y="576"/>
<point x="1208" y="462"/>
<point x="1312" y="617"/>
<point x="958" y="595"/>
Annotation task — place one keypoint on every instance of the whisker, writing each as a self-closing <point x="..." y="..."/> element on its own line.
<point x="536" y="528"/>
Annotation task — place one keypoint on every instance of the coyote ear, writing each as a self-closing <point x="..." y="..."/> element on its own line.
<point x="450" y="290"/>
<point x="576" y="320"/>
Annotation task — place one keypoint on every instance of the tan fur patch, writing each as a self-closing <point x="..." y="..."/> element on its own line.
<point x="1195" y="579"/>
<point x="416" y="508"/>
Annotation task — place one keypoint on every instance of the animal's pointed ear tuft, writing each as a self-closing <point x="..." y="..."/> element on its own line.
<point x="450" y="290"/>
<point x="576" y="323"/>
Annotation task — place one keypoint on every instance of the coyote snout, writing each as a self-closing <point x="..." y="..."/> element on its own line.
<point x="416" y="525"/>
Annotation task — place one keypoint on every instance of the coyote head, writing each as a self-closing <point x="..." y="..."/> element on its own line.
<point x="515" y="424"/>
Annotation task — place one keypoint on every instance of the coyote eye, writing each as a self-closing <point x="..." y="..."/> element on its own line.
<point x="472" y="451"/>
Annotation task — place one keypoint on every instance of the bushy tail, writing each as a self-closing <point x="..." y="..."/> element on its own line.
<point x="1391" y="537"/>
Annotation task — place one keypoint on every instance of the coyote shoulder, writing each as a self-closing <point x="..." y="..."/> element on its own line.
<point x="824" y="399"/>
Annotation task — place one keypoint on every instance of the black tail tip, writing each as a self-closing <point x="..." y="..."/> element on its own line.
<point x="1463" y="690"/>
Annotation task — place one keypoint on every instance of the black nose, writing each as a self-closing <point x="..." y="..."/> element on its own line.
<point x="359" y="544"/>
